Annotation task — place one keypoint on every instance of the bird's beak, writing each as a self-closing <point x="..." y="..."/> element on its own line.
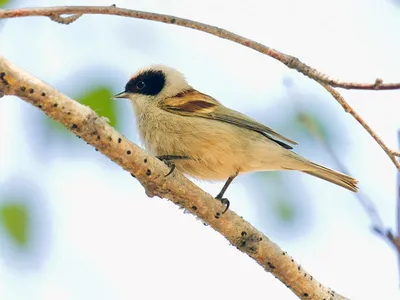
<point x="121" y="95"/>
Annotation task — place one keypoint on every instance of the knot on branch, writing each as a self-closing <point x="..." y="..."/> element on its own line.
<point x="65" y="20"/>
<point x="248" y="242"/>
<point x="378" y="83"/>
<point x="294" y="63"/>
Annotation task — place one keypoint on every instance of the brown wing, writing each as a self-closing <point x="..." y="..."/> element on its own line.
<point x="194" y="103"/>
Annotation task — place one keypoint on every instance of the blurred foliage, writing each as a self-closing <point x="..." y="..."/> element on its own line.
<point x="3" y="2"/>
<point x="281" y="199"/>
<point x="282" y="204"/>
<point x="100" y="100"/>
<point x="24" y="223"/>
<point x="313" y="120"/>
<point x="14" y="217"/>
<point x="313" y="124"/>
<point x="270" y="190"/>
<point x="286" y="212"/>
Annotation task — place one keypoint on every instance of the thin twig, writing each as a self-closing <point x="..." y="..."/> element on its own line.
<point x="376" y="86"/>
<point x="290" y="61"/>
<point x="150" y="172"/>
<point x="339" y="98"/>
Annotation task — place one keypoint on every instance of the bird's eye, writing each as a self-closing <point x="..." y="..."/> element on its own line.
<point x="140" y="85"/>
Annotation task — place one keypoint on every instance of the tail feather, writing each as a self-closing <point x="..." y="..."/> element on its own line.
<point x="333" y="176"/>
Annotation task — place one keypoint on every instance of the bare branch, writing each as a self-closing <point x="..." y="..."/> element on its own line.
<point x="360" y="120"/>
<point x="376" y="86"/>
<point x="290" y="61"/>
<point x="150" y="172"/>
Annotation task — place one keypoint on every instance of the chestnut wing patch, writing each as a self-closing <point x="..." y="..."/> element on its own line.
<point x="194" y="103"/>
<point x="193" y="106"/>
<point x="190" y="102"/>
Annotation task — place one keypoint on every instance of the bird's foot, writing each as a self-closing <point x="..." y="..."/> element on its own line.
<point x="224" y="201"/>
<point x="168" y="160"/>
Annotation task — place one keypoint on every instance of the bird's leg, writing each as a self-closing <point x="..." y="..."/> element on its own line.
<point x="220" y="196"/>
<point x="168" y="160"/>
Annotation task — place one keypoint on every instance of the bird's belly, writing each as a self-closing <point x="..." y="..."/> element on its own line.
<point x="218" y="161"/>
<point x="216" y="150"/>
<point x="212" y="155"/>
<point x="207" y="159"/>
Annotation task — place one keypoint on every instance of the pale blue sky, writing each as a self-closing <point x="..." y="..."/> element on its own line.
<point x="106" y="240"/>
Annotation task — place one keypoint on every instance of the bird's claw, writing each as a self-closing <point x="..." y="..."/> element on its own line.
<point x="166" y="160"/>
<point x="225" y="202"/>
<point x="171" y="166"/>
<point x="169" y="161"/>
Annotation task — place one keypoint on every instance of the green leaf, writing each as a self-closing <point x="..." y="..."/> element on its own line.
<point x="100" y="100"/>
<point x="3" y="2"/>
<point x="14" y="218"/>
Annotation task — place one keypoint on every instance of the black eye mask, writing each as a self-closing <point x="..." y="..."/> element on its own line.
<point x="150" y="83"/>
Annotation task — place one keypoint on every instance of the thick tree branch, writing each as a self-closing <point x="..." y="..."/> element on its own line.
<point x="150" y="172"/>
<point x="55" y="14"/>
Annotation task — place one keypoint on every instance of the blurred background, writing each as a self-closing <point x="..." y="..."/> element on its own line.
<point x="73" y="225"/>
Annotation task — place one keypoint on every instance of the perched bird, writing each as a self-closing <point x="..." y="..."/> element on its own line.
<point x="205" y="139"/>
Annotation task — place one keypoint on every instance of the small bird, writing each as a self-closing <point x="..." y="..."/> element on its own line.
<point x="204" y="139"/>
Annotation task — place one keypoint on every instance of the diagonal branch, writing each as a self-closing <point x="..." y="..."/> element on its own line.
<point x="55" y="14"/>
<point x="150" y="172"/>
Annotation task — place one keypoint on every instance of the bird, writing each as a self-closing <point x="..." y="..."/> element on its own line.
<point x="199" y="136"/>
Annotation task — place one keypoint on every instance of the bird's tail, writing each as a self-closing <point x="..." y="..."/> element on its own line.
<point x="333" y="176"/>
